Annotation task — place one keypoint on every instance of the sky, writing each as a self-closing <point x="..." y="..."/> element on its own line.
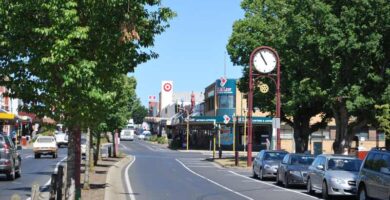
<point x="193" y="49"/>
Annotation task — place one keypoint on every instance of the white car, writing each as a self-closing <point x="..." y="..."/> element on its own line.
<point x="45" y="145"/>
<point x="127" y="134"/>
<point x="61" y="138"/>
<point x="141" y="136"/>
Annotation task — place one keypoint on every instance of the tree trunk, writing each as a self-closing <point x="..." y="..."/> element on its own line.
<point x="300" y="125"/>
<point x="86" y="164"/>
<point x="73" y="162"/>
<point x="97" y="153"/>
<point x="341" y="116"/>
<point x="301" y="134"/>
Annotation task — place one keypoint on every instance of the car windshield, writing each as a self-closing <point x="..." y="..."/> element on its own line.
<point x="301" y="160"/>
<point x="344" y="164"/>
<point x="274" y="155"/>
<point x="45" y="140"/>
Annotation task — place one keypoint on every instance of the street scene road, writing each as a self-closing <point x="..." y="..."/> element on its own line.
<point x="33" y="171"/>
<point x="167" y="99"/>
<point x="160" y="173"/>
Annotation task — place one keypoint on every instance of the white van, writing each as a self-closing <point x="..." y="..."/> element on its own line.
<point x="127" y="134"/>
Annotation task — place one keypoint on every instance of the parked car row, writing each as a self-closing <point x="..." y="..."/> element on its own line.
<point x="331" y="175"/>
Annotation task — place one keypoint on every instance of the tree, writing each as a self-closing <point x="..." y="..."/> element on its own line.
<point x="336" y="47"/>
<point x="267" y="23"/>
<point x="139" y="112"/>
<point x="61" y="56"/>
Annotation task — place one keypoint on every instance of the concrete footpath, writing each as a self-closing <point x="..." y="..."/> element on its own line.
<point x="115" y="189"/>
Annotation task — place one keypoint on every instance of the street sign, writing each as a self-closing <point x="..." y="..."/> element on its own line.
<point x="226" y="119"/>
<point x="223" y="81"/>
<point x="275" y="122"/>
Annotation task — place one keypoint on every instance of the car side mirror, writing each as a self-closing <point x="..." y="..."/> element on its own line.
<point x="320" y="167"/>
<point x="19" y="148"/>
<point x="385" y="170"/>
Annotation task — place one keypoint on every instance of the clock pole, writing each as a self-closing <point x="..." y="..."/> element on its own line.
<point x="264" y="70"/>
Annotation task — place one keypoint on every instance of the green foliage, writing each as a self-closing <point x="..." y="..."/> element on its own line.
<point x="384" y="118"/>
<point x="334" y="55"/>
<point x="139" y="112"/>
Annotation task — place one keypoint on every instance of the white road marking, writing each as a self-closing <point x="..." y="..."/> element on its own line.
<point x="128" y="185"/>
<point x="29" y="156"/>
<point x="211" y="181"/>
<point x="55" y="171"/>
<point x="278" y="188"/>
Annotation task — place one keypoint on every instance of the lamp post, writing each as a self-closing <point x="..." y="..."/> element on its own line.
<point x="265" y="60"/>
<point x="188" y="127"/>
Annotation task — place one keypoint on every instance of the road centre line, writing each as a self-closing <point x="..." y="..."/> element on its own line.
<point x="211" y="181"/>
<point x="278" y="188"/>
<point x="128" y="185"/>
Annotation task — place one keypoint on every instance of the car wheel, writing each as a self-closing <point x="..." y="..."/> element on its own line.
<point x="309" y="188"/>
<point x="286" y="184"/>
<point x="277" y="178"/>
<point x="254" y="175"/>
<point x="261" y="174"/>
<point x="11" y="175"/>
<point x="325" y="194"/>
<point x="54" y="155"/>
<point x="37" y="155"/>
<point x="362" y="193"/>
<point x="19" y="173"/>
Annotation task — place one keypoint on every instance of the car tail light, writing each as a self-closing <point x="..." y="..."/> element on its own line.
<point x="5" y="162"/>
<point x="6" y="148"/>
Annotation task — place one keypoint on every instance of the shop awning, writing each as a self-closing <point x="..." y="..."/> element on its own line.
<point x="4" y="115"/>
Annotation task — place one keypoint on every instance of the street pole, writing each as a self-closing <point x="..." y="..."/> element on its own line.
<point x="244" y="132"/>
<point x="234" y="133"/>
<point x="219" y="142"/>
<point x="188" y="129"/>
<point x="235" y="147"/>
<point x="214" y="145"/>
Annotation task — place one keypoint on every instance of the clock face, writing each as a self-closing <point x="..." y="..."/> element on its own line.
<point x="264" y="61"/>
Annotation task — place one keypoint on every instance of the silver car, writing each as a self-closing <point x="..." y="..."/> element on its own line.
<point x="266" y="163"/>
<point x="333" y="175"/>
<point x="10" y="160"/>
<point x="374" y="176"/>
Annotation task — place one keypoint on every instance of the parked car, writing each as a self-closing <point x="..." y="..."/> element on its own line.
<point x="10" y="160"/>
<point x="333" y="175"/>
<point x="61" y="139"/>
<point x="145" y="135"/>
<point x="266" y="163"/>
<point x="293" y="169"/>
<point x="374" y="175"/>
<point x="45" y="145"/>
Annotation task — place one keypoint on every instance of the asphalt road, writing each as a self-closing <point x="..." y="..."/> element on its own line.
<point x="33" y="171"/>
<point x="159" y="173"/>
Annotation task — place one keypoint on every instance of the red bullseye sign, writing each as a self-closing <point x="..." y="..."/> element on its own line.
<point x="167" y="87"/>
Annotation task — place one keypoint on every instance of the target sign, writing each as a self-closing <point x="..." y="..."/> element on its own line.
<point x="167" y="87"/>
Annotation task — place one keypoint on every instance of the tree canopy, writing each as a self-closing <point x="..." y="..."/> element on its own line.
<point x="334" y="57"/>
<point x="65" y="58"/>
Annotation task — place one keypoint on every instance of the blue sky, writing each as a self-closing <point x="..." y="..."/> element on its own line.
<point x="191" y="52"/>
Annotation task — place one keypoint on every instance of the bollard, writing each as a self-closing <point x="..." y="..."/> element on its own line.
<point x="60" y="175"/>
<point x="53" y="186"/>
<point x="236" y="158"/>
<point x="109" y="151"/>
<point x="35" y="191"/>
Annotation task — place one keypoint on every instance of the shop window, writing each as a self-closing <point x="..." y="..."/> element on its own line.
<point x="226" y="101"/>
